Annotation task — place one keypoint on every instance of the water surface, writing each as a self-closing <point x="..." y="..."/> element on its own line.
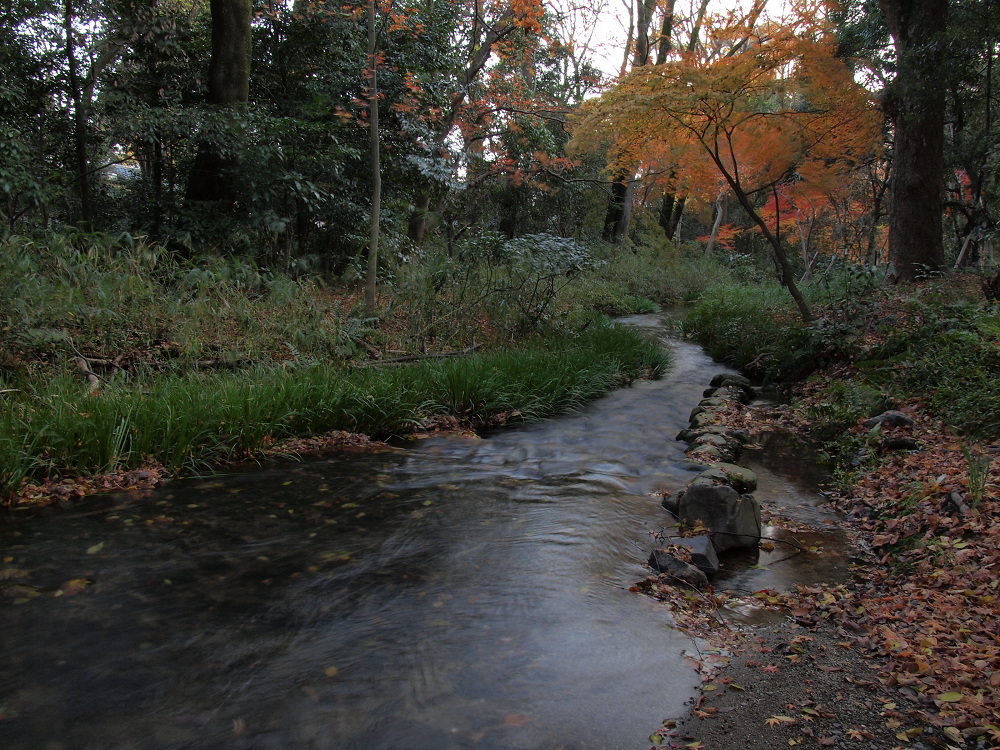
<point x="459" y="593"/>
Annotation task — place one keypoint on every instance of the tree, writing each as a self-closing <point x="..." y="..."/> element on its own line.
<point x="372" y="271"/>
<point x="771" y="100"/>
<point x="228" y="87"/>
<point x="915" y="101"/>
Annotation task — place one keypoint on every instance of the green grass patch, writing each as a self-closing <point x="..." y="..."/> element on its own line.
<point x="197" y="421"/>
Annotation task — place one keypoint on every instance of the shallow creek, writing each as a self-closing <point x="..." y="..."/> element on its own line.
<point x="457" y="593"/>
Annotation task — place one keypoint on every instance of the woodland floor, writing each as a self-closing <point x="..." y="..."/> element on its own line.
<point x="904" y="655"/>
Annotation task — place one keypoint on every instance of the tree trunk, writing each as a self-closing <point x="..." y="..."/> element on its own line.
<point x="376" y="174"/>
<point x="619" y="209"/>
<point x="619" y="213"/>
<point x="228" y="86"/>
<point x="79" y="122"/>
<point x="916" y="103"/>
<point x="780" y="258"/>
<point x="715" y="226"/>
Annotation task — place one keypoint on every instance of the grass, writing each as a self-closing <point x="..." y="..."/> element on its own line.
<point x="643" y="278"/>
<point x="938" y="342"/>
<point x="197" y="421"/>
<point x="116" y="297"/>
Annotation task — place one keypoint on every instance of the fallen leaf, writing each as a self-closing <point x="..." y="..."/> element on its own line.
<point x="953" y="734"/>
<point x="776" y="720"/>
<point x="517" y="720"/>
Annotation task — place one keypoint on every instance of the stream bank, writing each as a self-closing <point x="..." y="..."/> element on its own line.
<point x="902" y="655"/>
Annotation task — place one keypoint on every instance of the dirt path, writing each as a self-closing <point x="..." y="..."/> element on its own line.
<point x="788" y="686"/>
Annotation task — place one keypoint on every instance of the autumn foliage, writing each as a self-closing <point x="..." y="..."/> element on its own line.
<point x="764" y="108"/>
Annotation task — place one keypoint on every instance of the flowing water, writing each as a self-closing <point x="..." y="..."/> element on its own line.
<point x="459" y="593"/>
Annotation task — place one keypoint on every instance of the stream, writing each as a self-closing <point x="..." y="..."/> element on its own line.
<point x="454" y="593"/>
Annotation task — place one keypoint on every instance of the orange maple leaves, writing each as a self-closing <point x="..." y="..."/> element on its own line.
<point x="760" y="106"/>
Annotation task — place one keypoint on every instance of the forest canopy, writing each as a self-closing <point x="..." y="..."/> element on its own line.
<point x="245" y="128"/>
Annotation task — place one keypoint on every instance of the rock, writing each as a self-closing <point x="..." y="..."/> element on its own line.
<point x="707" y="451"/>
<point x="688" y="436"/>
<point x="712" y="402"/>
<point x="694" y="464"/>
<point x="729" y="446"/>
<point x="670" y="502"/>
<point x="702" y="418"/>
<point x="727" y="378"/>
<point x="702" y="552"/>
<point x="711" y="439"/>
<point x="663" y="562"/>
<point x="733" y="520"/>
<point x="898" y="444"/>
<point x="891" y="418"/>
<point x="731" y="392"/>
<point x="714" y="448"/>
<point x="739" y="478"/>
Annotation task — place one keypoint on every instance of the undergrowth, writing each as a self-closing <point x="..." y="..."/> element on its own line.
<point x="938" y="342"/>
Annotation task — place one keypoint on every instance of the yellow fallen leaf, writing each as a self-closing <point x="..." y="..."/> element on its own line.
<point x="776" y="720"/>
<point x="952" y="697"/>
<point x="330" y="671"/>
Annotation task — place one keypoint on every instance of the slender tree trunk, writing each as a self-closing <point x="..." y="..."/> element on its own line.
<point x="780" y="259"/>
<point x="376" y="173"/>
<point x="79" y="122"/>
<point x="619" y="213"/>
<point x="228" y="86"/>
<point x="715" y="226"/>
<point x="916" y="103"/>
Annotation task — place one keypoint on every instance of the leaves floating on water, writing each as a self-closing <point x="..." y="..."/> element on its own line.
<point x="73" y="587"/>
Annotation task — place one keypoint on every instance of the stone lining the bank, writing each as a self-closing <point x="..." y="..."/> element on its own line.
<point x="718" y="501"/>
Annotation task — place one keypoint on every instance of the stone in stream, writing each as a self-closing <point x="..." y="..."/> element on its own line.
<point x="733" y="520"/>
<point x="725" y="378"/>
<point x="663" y="562"/>
<point x="712" y="402"/>
<point x="735" y="433"/>
<point x="701" y="417"/>
<point x="731" y="392"/>
<point x="708" y="452"/>
<point x="739" y="478"/>
<point x="702" y="552"/>
<point x="723" y="448"/>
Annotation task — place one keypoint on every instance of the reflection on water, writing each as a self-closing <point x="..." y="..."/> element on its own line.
<point x="459" y="594"/>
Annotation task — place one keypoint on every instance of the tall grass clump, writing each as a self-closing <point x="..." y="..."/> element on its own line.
<point x="752" y="328"/>
<point x="642" y="278"/>
<point x="122" y="298"/>
<point x="196" y="421"/>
